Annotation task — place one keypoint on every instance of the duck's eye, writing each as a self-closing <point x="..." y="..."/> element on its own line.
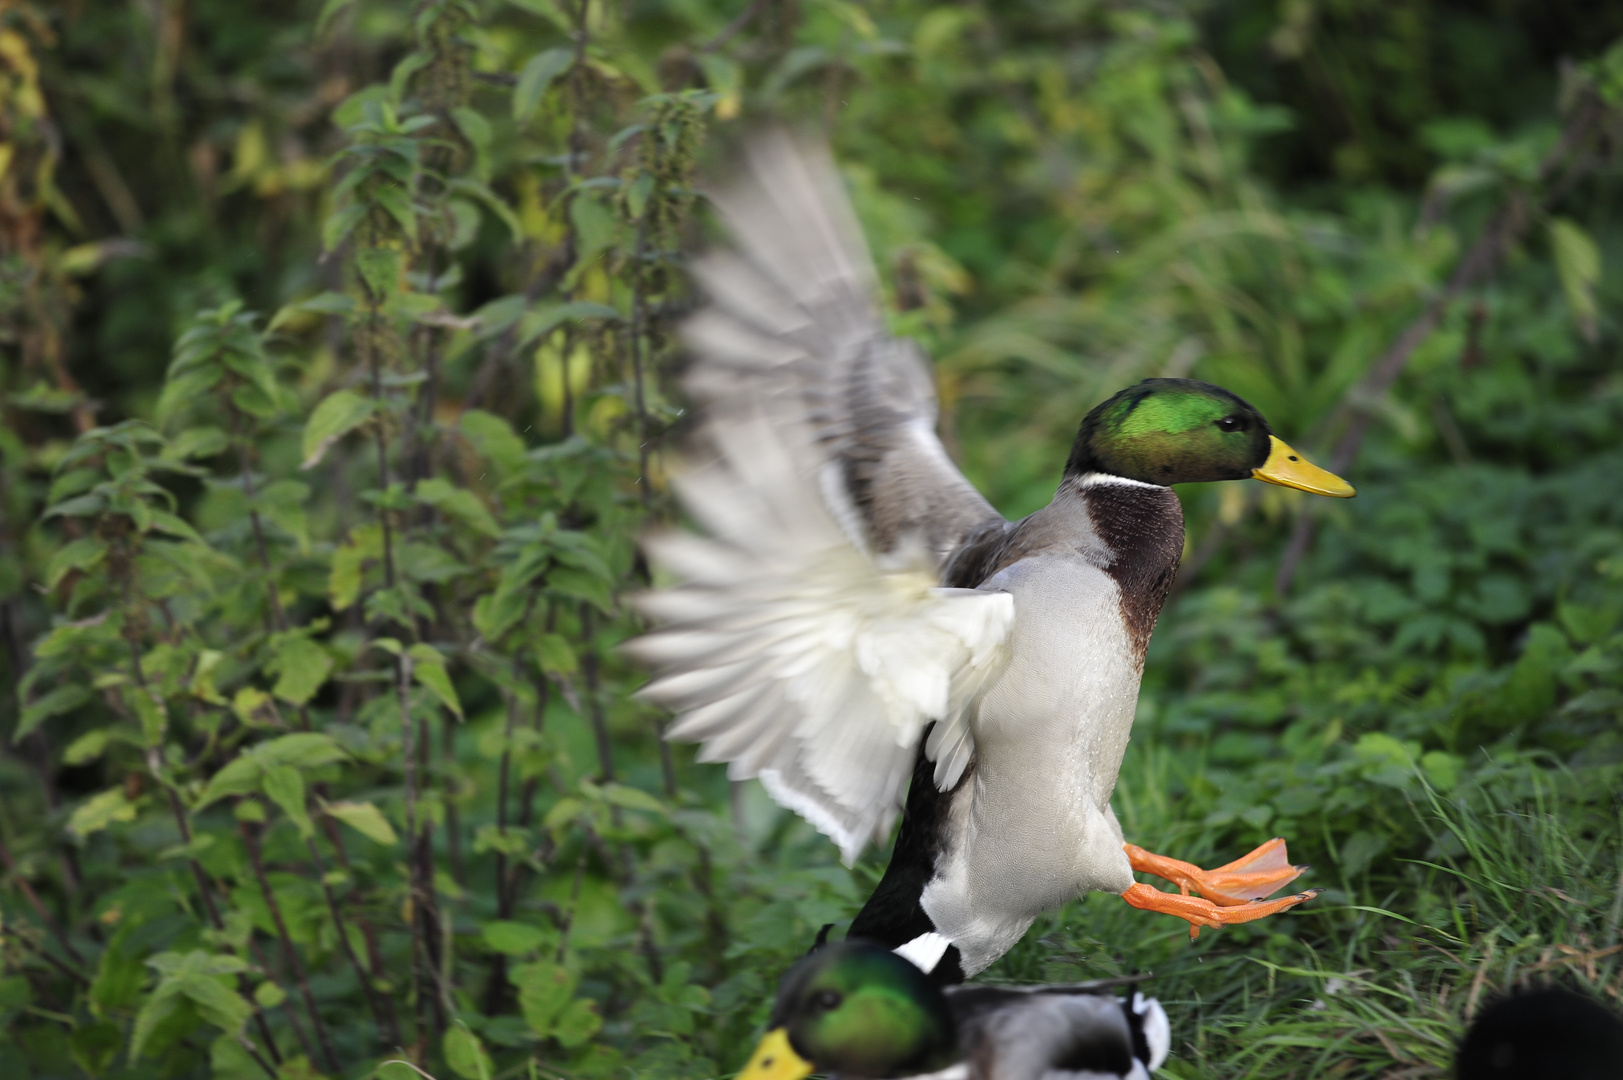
<point x="1231" y="423"/>
<point x="826" y="999"/>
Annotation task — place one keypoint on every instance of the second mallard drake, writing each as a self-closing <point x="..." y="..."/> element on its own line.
<point x="860" y="616"/>
<point x="853" y="1010"/>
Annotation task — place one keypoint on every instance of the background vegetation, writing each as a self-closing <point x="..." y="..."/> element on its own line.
<point x="336" y="346"/>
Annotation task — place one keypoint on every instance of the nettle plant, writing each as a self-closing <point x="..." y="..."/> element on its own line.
<point x="344" y="656"/>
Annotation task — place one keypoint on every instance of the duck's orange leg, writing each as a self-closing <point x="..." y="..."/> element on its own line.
<point x="1232" y="893"/>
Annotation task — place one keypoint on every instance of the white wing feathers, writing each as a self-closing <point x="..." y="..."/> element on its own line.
<point x="791" y="656"/>
<point x="808" y="643"/>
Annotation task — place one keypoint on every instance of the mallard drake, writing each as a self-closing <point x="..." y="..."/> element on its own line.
<point x="853" y="1009"/>
<point x="859" y="615"/>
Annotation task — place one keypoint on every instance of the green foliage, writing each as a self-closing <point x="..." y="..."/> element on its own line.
<point x="321" y="751"/>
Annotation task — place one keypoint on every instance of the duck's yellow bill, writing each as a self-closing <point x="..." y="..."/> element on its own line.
<point x="1287" y="468"/>
<point x="775" y="1059"/>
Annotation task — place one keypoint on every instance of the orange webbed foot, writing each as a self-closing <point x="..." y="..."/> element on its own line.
<point x="1232" y="893"/>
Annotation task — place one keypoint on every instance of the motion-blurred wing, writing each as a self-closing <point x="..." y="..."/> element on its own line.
<point x="789" y="655"/>
<point x="793" y="331"/>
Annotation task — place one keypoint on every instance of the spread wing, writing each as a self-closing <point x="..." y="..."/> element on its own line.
<point x="809" y="643"/>
<point x="793" y="330"/>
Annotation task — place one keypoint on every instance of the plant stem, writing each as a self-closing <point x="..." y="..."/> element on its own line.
<point x="388" y="1034"/>
<point x="290" y="955"/>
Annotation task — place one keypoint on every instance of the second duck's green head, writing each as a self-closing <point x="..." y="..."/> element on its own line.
<point x="1180" y="431"/>
<point x="855" y="1009"/>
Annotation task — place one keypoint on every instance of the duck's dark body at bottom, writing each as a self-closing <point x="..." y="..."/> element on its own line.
<point x="893" y="915"/>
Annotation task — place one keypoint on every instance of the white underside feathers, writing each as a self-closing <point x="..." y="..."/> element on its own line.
<point x="789" y="655"/>
<point x="925" y="951"/>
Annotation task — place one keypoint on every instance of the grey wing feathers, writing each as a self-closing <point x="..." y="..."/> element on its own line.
<point x="1075" y="1032"/>
<point x="807" y="641"/>
<point x="792" y="328"/>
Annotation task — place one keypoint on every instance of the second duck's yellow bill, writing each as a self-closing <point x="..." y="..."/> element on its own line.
<point x="1287" y="468"/>
<point x="775" y="1059"/>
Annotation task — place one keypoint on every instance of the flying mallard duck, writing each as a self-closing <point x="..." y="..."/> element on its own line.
<point x="853" y="1009"/>
<point x="860" y="615"/>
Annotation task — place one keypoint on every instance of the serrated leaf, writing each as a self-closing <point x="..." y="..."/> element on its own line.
<point x="55" y="703"/>
<point x="459" y="503"/>
<point x="544" y="990"/>
<point x="348" y="563"/>
<point x="577" y="1023"/>
<point x="1578" y="264"/>
<point x="301" y="749"/>
<point x="87" y="747"/>
<point x="302" y="667"/>
<point x="536" y="77"/>
<point x="239" y="776"/>
<point x="268" y="995"/>
<point x="337" y="226"/>
<point x="631" y="798"/>
<point x="515" y="938"/>
<point x="81" y="554"/>
<point x="365" y="819"/>
<point x="543" y="321"/>
<point x="284" y="785"/>
<point x="481" y="192"/>
<point x="555" y="655"/>
<point x="100" y="811"/>
<point x="466" y="1054"/>
<point x="338" y="414"/>
<point x="428" y="668"/>
<point x="165" y="522"/>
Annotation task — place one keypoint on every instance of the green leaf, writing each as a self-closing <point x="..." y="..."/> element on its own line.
<point x="330" y="11"/>
<point x="302" y="667"/>
<point x="580" y="585"/>
<point x="380" y="268"/>
<point x="95" y="1046"/>
<point x="337" y="226"/>
<point x="165" y="522"/>
<point x="544" y="990"/>
<point x="81" y="554"/>
<point x="536" y="77"/>
<point x="548" y="10"/>
<point x="348" y="563"/>
<point x="268" y="995"/>
<point x="428" y="668"/>
<point x="56" y="702"/>
<point x="465" y="1054"/>
<point x="100" y="811"/>
<point x="338" y="414"/>
<point x="494" y="438"/>
<point x="515" y="938"/>
<point x="555" y="655"/>
<point x="149" y="708"/>
<point x="365" y="819"/>
<point x="1578" y="263"/>
<point x="577" y="1023"/>
<point x="481" y="192"/>
<point x="285" y="786"/>
<point x="301" y="749"/>
<point x="458" y="503"/>
<point x="631" y="798"/>
<point x="476" y="129"/>
<point x="239" y="776"/>
<point x="541" y="322"/>
<point x="87" y="747"/>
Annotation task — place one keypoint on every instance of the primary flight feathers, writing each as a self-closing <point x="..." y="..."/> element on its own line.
<point x="810" y="643"/>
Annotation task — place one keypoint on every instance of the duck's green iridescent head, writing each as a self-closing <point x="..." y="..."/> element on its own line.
<point x="855" y="1009"/>
<point x="1180" y="431"/>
